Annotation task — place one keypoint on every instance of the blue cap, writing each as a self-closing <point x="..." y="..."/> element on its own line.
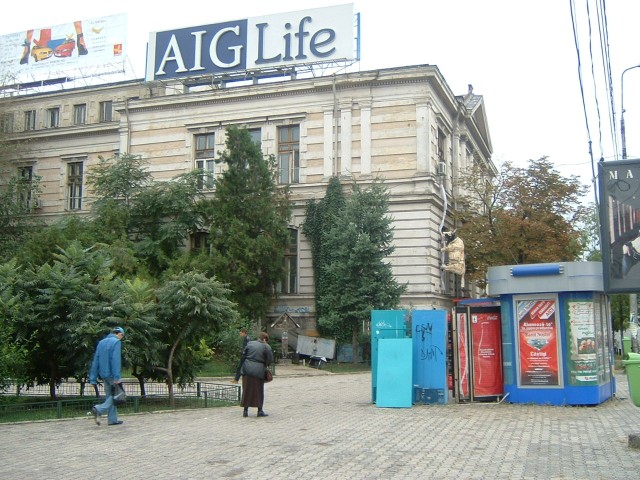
<point x="118" y="330"/>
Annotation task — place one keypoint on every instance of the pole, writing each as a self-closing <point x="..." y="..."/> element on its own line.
<point x="633" y="298"/>
<point x="622" y="129"/>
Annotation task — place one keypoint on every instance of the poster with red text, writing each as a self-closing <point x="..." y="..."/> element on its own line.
<point x="538" y="342"/>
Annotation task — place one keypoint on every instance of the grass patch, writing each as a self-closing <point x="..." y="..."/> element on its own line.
<point x="216" y="368"/>
<point x="335" y="367"/>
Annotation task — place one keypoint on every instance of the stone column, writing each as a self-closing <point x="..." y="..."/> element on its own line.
<point x="328" y="157"/>
<point x="365" y="137"/>
<point x="346" y="138"/>
<point x="423" y="135"/>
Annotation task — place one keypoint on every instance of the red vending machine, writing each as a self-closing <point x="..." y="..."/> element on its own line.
<point x="477" y="350"/>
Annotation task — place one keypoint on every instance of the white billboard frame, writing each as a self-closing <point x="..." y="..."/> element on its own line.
<point x="306" y="37"/>
<point x="72" y="49"/>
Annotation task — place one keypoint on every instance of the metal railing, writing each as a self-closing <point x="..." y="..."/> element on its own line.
<point x="73" y="400"/>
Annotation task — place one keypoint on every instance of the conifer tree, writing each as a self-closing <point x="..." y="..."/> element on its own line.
<point x="249" y="225"/>
<point x="354" y="272"/>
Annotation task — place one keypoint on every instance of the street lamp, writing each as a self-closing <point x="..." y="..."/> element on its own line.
<point x="622" y="132"/>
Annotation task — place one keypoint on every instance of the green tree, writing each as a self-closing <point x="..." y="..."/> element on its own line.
<point x="620" y="312"/>
<point x="69" y="306"/>
<point x="150" y="219"/>
<point x="249" y="225"/>
<point x="18" y="198"/>
<point x="135" y="308"/>
<point x="590" y="234"/>
<point x="116" y="184"/>
<point x="13" y="307"/>
<point x="356" y="274"/>
<point x="191" y="307"/>
<point x="162" y="217"/>
<point x="523" y="215"/>
<point x="322" y="216"/>
<point x="44" y="244"/>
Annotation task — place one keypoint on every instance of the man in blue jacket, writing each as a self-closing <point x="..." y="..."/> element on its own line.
<point x="107" y="365"/>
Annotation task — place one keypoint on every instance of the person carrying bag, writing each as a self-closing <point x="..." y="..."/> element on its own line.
<point x="256" y="358"/>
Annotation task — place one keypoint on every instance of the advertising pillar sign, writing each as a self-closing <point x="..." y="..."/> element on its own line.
<point x="619" y="182"/>
<point x="537" y="325"/>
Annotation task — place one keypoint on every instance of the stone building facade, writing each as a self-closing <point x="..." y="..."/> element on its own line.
<point x="404" y="125"/>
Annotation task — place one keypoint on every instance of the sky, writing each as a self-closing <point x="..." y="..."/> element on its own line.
<point x="547" y="92"/>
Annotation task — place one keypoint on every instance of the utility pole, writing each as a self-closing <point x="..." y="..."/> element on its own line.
<point x="633" y="297"/>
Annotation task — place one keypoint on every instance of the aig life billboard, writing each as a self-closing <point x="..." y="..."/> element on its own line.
<point x="619" y="183"/>
<point x="259" y="43"/>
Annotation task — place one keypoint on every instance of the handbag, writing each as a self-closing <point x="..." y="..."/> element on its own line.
<point x="118" y="393"/>
<point x="268" y="376"/>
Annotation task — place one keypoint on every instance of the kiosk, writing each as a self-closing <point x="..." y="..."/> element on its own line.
<point x="557" y="340"/>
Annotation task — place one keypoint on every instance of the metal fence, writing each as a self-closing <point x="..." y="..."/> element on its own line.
<point x="74" y="399"/>
<point x="74" y="389"/>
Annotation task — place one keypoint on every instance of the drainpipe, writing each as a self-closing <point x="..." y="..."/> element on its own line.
<point x="443" y="193"/>
<point x="335" y="128"/>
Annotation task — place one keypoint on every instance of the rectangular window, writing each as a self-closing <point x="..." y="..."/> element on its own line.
<point x="205" y="182"/>
<point x="289" y="154"/>
<point x="106" y="111"/>
<point x="74" y="185"/>
<point x="200" y="241"/>
<point x="53" y="117"/>
<point x="30" y="120"/>
<point x="6" y="123"/>
<point x="80" y="114"/>
<point x="25" y="187"/>
<point x="205" y="153"/>
<point x="289" y="282"/>
<point x="441" y="146"/>
<point x="256" y="135"/>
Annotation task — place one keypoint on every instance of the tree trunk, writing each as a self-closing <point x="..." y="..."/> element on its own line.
<point x="140" y="378"/>
<point x="52" y="380"/>
<point x="354" y="343"/>
<point x="172" y="400"/>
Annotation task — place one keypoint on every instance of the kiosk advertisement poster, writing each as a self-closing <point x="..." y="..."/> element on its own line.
<point x="487" y="361"/>
<point x="604" y="338"/>
<point x="463" y="361"/>
<point x="582" y="343"/>
<point x="538" y="342"/>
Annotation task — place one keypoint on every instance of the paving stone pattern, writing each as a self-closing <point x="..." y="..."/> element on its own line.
<point x="323" y="426"/>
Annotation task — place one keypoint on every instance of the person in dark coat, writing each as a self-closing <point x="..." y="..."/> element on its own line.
<point x="245" y="340"/>
<point x="256" y="358"/>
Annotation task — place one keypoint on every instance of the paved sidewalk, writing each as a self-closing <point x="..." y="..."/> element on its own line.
<point x="323" y="426"/>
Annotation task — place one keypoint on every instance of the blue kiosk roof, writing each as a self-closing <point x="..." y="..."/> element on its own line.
<point x="545" y="277"/>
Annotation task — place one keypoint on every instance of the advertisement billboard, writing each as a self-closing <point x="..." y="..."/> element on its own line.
<point x="619" y="186"/>
<point x="68" y="49"/>
<point x="584" y="342"/>
<point x="487" y="358"/>
<point x="258" y="43"/>
<point x="538" y="334"/>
